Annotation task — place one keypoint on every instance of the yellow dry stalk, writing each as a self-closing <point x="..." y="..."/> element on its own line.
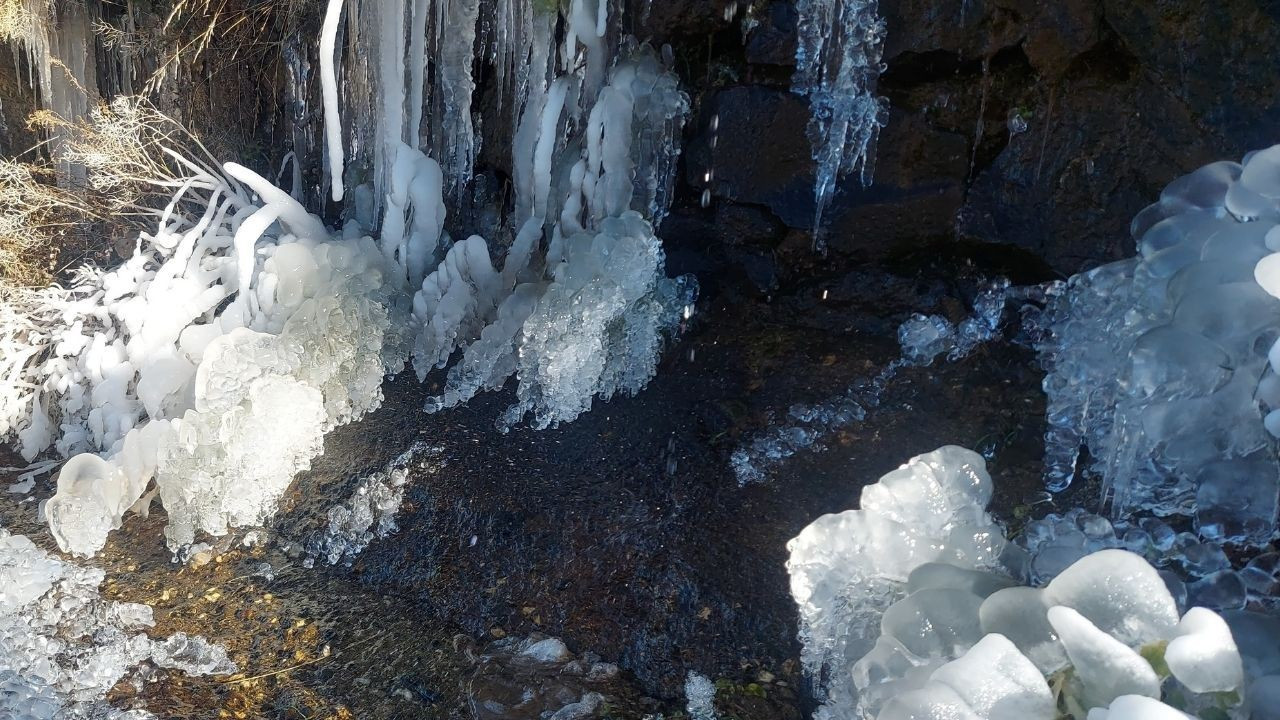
<point x="15" y="20"/>
<point x="134" y="158"/>
<point x="132" y="153"/>
<point x="35" y="216"/>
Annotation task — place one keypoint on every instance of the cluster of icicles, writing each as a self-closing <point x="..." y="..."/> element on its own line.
<point x="207" y="368"/>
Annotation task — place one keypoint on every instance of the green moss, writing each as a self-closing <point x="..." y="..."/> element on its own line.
<point x="1154" y="655"/>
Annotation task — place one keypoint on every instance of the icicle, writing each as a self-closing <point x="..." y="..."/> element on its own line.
<point x="329" y="86"/>
<point x="535" y="87"/>
<point x="456" y="146"/>
<point x="417" y="64"/>
<point x="547" y="137"/>
<point x="837" y="67"/>
<point x="588" y="21"/>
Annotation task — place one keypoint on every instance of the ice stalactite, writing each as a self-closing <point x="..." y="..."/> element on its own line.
<point x="329" y="87"/>
<point x="456" y="141"/>
<point x="838" y="63"/>
<point x="1164" y="366"/>
<point x="209" y="365"/>
<point x="588" y="317"/>
<point x="58" y="42"/>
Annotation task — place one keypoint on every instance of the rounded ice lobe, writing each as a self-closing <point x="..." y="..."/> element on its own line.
<point x="1021" y="615"/>
<point x="1105" y="667"/>
<point x="848" y="568"/>
<point x="1267" y="274"/>
<point x="1203" y="654"/>
<point x="1119" y="593"/>
<point x="998" y="683"/>
<point x="1137" y="707"/>
<point x="934" y="622"/>
<point x="1203" y="188"/>
<point x="1153" y="362"/>
<point x="1261" y="173"/>
<point x="1171" y="360"/>
<point x="92" y="497"/>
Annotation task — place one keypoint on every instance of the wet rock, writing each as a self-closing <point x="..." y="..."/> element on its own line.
<point x="666" y="21"/>
<point x="535" y="678"/>
<point x="1215" y="59"/>
<point x="1067" y="188"/>
<point x="753" y="145"/>
<point x="773" y="40"/>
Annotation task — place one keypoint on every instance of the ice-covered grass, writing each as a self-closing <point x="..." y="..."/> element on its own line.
<point x="908" y="613"/>
<point x="210" y="362"/>
<point x="1159" y="364"/>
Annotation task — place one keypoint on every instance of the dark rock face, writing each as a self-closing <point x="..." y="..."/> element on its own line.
<point x="1043" y="126"/>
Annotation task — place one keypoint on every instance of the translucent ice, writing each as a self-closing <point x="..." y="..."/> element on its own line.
<point x="1158" y="364"/>
<point x="63" y="646"/>
<point x="587" y="316"/>
<point x="370" y="512"/>
<point x="1137" y="707"/>
<point x="837" y="67"/>
<point x="925" y="337"/>
<point x="1105" y="667"/>
<point x="211" y="362"/>
<point x="1203" y="655"/>
<point x="848" y="568"/>
<point x="992" y="681"/>
<point x="959" y="641"/>
<point x="700" y="697"/>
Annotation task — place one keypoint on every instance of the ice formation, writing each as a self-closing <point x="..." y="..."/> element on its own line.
<point x="63" y="647"/>
<point x="1164" y="366"/>
<point x="1197" y="571"/>
<point x="837" y="67"/>
<point x="329" y="89"/>
<point x="588" y="315"/>
<point x="847" y="568"/>
<point x="700" y="697"/>
<point x="370" y="512"/>
<point x="58" y="41"/>
<point x="211" y="362"/>
<point x="921" y="338"/>
<point x="907" y="612"/>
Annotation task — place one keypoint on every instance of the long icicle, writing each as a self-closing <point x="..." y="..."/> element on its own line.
<point x="329" y="86"/>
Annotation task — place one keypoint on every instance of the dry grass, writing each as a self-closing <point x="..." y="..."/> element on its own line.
<point x="135" y="160"/>
<point x="18" y="18"/>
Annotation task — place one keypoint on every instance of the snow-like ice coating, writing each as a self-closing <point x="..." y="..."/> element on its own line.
<point x="1165" y="365"/>
<point x="955" y="637"/>
<point x="62" y="646"/>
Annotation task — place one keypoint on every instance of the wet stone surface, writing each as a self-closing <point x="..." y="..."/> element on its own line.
<point x="624" y="534"/>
